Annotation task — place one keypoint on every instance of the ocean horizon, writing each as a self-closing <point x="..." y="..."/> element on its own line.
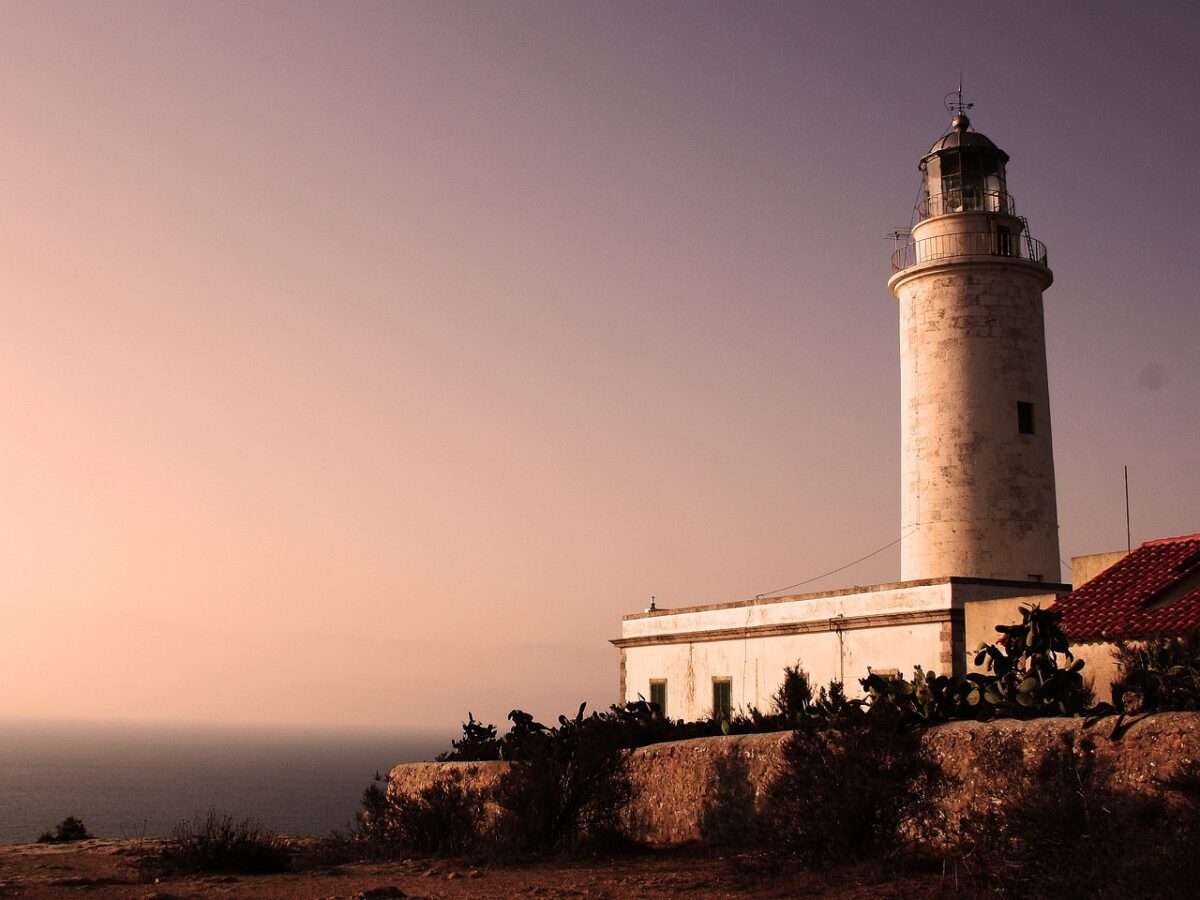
<point x="142" y="779"/>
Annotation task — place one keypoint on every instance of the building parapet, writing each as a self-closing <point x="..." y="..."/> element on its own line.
<point x="1033" y="586"/>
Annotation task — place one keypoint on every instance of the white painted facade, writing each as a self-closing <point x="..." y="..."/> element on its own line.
<point x="838" y="635"/>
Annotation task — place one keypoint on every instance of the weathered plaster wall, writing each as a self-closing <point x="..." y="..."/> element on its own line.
<point x="755" y="665"/>
<point x="833" y="636"/>
<point x="837" y="635"/>
<point x="981" y="618"/>
<point x="1099" y="666"/>
<point x="674" y="782"/>
<point x="1085" y="568"/>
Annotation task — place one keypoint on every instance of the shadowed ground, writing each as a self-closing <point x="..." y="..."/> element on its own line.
<point x="110" y="868"/>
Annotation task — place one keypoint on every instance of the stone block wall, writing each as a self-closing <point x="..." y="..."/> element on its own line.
<point x="977" y="494"/>
<point x="673" y="782"/>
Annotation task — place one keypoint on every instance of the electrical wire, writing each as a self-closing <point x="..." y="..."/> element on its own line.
<point x="838" y="569"/>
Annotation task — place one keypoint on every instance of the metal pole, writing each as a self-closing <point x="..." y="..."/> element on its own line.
<point x="1128" y="540"/>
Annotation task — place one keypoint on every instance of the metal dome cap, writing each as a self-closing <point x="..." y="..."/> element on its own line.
<point x="959" y="138"/>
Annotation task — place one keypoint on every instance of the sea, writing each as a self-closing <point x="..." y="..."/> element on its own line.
<point x="142" y="780"/>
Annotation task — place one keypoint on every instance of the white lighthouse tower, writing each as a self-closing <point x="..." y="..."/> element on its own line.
<point x="977" y="466"/>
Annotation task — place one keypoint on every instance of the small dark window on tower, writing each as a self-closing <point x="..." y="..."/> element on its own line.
<point x="1024" y="417"/>
<point x="1003" y="241"/>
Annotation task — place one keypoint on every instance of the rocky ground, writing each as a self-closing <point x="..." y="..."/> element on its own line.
<point x="108" y="868"/>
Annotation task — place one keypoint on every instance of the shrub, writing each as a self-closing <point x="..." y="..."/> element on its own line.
<point x="1027" y="680"/>
<point x="478" y="743"/>
<point x="1161" y="674"/>
<point x="635" y="724"/>
<point x="1023" y="680"/>
<point x="1186" y="783"/>
<point x="844" y="786"/>
<point x="442" y="819"/>
<point x="69" y="829"/>
<point x="568" y="786"/>
<point x="220" y="843"/>
<point x="1068" y="828"/>
<point x="794" y="696"/>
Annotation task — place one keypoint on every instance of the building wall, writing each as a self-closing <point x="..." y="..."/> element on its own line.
<point x="837" y="636"/>
<point x="755" y="665"/>
<point x="981" y="617"/>
<point x="812" y="608"/>
<point x="1099" y="666"/>
<point x="1085" y="568"/>
<point x="977" y="495"/>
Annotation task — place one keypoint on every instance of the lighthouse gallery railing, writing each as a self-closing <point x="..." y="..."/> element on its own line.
<point x="966" y="200"/>
<point x="969" y="243"/>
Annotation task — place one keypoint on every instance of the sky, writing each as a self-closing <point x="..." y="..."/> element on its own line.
<point x="364" y="363"/>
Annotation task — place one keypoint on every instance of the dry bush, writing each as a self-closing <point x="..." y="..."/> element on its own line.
<point x="567" y="794"/>
<point x="445" y="818"/>
<point x="842" y="791"/>
<point x="1067" y="827"/>
<point x="220" y="843"/>
<point x="69" y="829"/>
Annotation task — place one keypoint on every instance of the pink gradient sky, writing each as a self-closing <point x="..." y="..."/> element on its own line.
<point x="364" y="363"/>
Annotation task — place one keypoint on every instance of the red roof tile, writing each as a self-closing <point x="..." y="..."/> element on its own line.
<point x="1153" y="590"/>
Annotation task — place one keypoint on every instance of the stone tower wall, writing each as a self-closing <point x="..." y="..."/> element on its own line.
<point x="978" y="496"/>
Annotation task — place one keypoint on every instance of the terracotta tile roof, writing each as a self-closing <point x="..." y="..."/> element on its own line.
<point x="1153" y="590"/>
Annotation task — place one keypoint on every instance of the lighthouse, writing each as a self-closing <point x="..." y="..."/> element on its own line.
<point x="977" y="464"/>
<point x="979" y="531"/>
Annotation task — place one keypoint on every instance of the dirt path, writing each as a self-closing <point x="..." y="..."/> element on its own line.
<point x="112" y="869"/>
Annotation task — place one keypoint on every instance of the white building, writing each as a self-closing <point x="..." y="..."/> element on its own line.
<point x="979" y="529"/>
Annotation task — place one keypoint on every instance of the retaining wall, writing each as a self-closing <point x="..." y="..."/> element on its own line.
<point x="672" y="781"/>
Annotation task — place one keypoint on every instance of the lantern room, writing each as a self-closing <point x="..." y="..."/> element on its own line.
<point x="964" y="172"/>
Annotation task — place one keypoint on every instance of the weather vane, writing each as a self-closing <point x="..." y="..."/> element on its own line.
<point x="958" y="107"/>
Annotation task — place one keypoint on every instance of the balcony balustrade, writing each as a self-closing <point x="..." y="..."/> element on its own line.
<point x="969" y="243"/>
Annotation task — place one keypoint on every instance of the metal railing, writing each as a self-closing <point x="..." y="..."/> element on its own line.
<point x="969" y="243"/>
<point x="966" y="200"/>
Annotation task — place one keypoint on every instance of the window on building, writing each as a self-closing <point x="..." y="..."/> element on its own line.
<point x="722" y="698"/>
<point x="1004" y="245"/>
<point x="1024" y="417"/>
<point x="658" y="694"/>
